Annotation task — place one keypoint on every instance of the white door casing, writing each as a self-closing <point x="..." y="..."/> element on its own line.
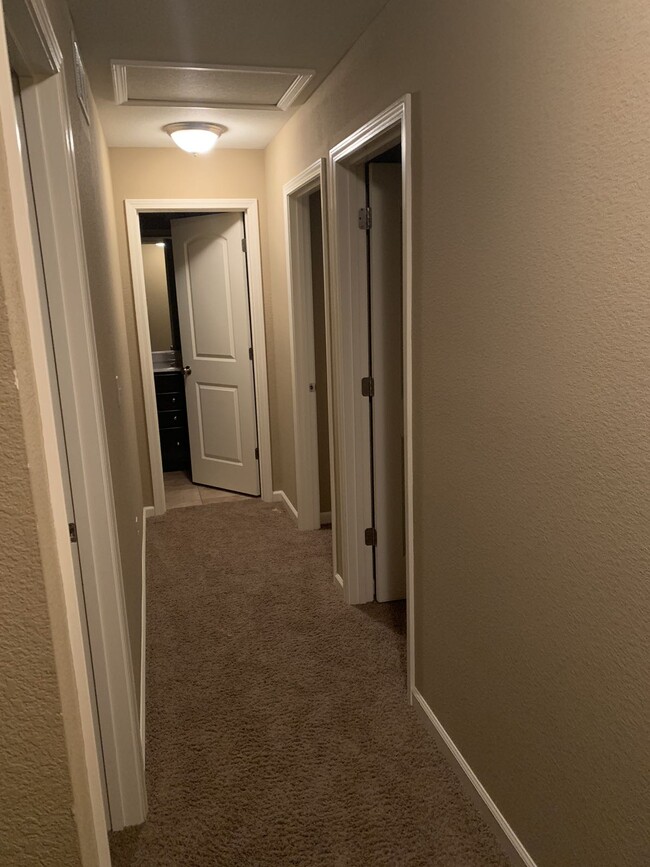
<point x="214" y="317"/>
<point x="385" y="245"/>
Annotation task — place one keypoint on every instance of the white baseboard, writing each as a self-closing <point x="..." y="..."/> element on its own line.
<point x="326" y="517"/>
<point x="281" y="497"/>
<point x="147" y="512"/>
<point x="513" y="846"/>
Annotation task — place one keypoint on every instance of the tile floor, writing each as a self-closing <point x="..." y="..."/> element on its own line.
<point x="180" y="492"/>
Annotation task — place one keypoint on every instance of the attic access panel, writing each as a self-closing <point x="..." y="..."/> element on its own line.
<point x="142" y="82"/>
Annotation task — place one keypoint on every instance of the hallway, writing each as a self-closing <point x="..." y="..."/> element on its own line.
<point x="277" y="725"/>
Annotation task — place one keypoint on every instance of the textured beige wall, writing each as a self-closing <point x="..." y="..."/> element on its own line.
<point x="38" y="707"/>
<point x="162" y="173"/>
<point x="155" y="283"/>
<point x="531" y="341"/>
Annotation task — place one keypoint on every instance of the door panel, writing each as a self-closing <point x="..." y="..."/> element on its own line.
<point x="385" y="239"/>
<point x="60" y="431"/>
<point x="213" y="309"/>
<point x="208" y="275"/>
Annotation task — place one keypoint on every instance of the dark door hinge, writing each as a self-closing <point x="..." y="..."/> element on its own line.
<point x="370" y="536"/>
<point x="244" y="248"/>
<point x="257" y="453"/>
<point x="250" y="352"/>
<point x="368" y="386"/>
<point x="365" y="218"/>
<point x="72" y="529"/>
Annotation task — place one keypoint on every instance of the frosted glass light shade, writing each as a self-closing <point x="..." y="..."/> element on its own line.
<point x="195" y="138"/>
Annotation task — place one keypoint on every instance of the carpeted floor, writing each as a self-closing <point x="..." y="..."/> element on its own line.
<point x="278" y="731"/>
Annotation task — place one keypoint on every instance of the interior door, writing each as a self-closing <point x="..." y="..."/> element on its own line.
<point x="60" y="430"/>
<point x="387" y="414"/>
<point x="214" y="317"/>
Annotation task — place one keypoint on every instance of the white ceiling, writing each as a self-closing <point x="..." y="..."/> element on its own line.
<point x="305" y="34"/>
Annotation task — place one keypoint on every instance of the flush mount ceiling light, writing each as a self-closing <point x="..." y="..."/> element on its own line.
<point x="195" y="138"/>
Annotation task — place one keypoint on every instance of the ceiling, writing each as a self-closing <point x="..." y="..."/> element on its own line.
<point x="301" y="34"/>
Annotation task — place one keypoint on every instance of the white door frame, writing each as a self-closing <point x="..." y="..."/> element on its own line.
<point x="348" y="280"/>
<point x="296" y="195"/>
<point x="248" y="207"/>
<point x="49" y="134"/>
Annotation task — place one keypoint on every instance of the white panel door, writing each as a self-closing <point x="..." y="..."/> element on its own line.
<point x="59" y="424"/>
<point x="385" y="239"/>
<point x="213" y="311"/>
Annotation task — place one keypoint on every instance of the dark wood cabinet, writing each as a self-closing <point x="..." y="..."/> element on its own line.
<point x="172" y="420"/>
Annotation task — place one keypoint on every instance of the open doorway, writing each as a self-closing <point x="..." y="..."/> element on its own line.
<point x="202" y="355"/>
<point x="197" y="289"/>
<point x="384" y="385"/>
<point x="370" y="174"/>
<point x="315" y="205"/>
<point x="309" y="312"/>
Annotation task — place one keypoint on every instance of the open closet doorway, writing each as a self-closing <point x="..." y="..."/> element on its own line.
<point x="371" y="286"/>
<point x="384" y="384"/>
<point x="197" y="290"/>
<point x="310" y="348"/>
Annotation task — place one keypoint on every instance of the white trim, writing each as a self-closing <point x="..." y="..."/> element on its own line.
<point x="281" y="497"/>
<point x="338" y="580"/>
<point x="476" y="790"/>
<point x="59" y="215"/>
<point x="348" y="280"/>
<point x="119" y="70"/>
<point x="147" y="512"/>
<point x="249" y="208"/>
<point x="28" y="23"/>
<point x="325" y="518"/>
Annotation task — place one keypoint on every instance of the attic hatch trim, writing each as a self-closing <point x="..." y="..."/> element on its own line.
<point x="119" y="71"/>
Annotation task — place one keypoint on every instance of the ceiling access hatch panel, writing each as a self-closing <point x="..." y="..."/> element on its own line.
<point x="141" y="82"/>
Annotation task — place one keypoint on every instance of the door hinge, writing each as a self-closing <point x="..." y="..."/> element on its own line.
<point x="365" y="218"/>
<point x="250" y="352"/>
<point x="370" y="536"/>
<point x="72" y="529"/>
<point x="244" y="248"/>
<point x="257" y="453"/>
<point x="368" y="386"/>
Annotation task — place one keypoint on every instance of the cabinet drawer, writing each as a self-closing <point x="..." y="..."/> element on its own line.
<point x="171" y="400"/>
<point x="171" y="418"/>
<point x="174" y="448"/>
<point x="173" y="438"/>
<point x="166" y="382"/>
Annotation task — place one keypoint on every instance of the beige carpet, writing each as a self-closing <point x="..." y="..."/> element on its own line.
<point x="277" y="727"/>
